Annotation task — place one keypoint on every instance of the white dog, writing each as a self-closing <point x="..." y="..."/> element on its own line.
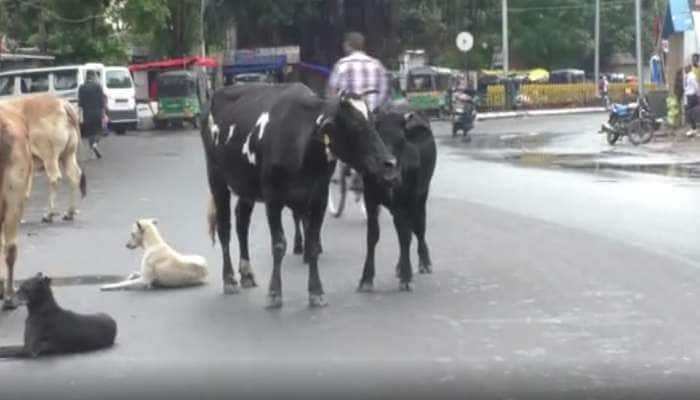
<point x="161" y="265"/>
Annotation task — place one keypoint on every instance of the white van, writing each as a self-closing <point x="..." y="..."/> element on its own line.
<point x="64" y="81"/>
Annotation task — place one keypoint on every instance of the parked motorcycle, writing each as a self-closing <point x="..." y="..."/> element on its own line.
<point x="464" y="114"/>
<point x="633" y="120"/>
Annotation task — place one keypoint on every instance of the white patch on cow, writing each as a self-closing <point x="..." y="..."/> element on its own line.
<point x="360" y="106"/>
<point x="230" y="132"/>
<point x="246" y="150"/>
<point x="213" y="129"/>
<point x="262" y="123"/>
<point x="319" y="119"/>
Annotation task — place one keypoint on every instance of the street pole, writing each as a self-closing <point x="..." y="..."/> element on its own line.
<point x="201" y="30"/>
<point x="504" y="11"/>
<point x="638" y="16"/>
<point x="596" y="62"/>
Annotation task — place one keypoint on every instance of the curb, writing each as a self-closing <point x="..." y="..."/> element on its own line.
<point x="539" y="113"/>
<point x="688" y="168"/>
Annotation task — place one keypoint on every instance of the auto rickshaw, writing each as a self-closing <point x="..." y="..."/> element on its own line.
<point x="180" y="97"/>
<point x="426" y="89"/>
<point x="395" y="94"/>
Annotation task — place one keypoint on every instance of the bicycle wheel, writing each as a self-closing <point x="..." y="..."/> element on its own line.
<point x="338" y="190"/>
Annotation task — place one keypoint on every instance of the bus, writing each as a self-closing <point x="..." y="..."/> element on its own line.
<point x="63" y="81"/>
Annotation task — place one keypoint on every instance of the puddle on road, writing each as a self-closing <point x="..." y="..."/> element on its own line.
<point x="80" y="280"/>
<point x="527" y="150"/>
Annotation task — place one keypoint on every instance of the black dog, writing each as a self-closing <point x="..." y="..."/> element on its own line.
<point x="49" y="329"/>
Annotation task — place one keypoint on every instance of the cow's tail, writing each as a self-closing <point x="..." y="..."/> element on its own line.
<point x="83" y="184"/>
<point x="211" y="219"/>
<point x="74" y="122"/>
<point x="13" y="352"/>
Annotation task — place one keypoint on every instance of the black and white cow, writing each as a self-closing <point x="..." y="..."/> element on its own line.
<point x="276" y="144"/>
<point x="408" y="136"/>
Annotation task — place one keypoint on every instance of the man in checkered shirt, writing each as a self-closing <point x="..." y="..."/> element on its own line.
<point x="359" y="73"/>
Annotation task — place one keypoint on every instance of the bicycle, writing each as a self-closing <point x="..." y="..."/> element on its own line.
<point x="344" y="179"/>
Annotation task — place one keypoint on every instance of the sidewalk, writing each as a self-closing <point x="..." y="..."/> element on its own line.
<point x="538" y="113"/>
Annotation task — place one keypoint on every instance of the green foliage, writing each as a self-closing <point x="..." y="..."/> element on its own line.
<point x="543" y="33"/>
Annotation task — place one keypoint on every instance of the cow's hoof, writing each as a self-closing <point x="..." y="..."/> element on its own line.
<point x="133" y="275"/>
<point x="365" y="287"/>
<point x="69" y="216"/>
<point x="231" y="288"/>
<point x="405" y="287"/>
<point x="248" y="281"/>
<point x="298" y="249"/>
<point x="10" y="304"/>
<point x="274" y="301"/>
<point x="47" y="218"/>
<point x="425" y="269"/>
<point x="317" y="300"/>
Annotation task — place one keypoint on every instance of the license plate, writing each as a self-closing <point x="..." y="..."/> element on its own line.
<point x="122" y="100"/>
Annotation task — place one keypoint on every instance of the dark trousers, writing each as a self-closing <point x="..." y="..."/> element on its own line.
<point x="692" y="101"/>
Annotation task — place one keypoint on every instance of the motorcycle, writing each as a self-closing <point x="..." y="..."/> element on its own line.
<point x="464" y="114"/>
<point x="633" y="120"/>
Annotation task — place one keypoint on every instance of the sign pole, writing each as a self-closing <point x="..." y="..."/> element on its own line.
<point x="640" y="78"/>
<point x="596" y="62"/>
<point x="504" y="11"/>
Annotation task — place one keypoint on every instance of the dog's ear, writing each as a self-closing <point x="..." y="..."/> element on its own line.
<point x="138" y="225"/>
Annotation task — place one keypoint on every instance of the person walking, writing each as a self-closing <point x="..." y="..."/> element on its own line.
<point x="603" y="89"/>
<point x="358" y="73"/>
<point x="91" y="101"/>
<point x="690" y="90"/>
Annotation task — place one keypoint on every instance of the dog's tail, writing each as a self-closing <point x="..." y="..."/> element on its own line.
<point x="211" y="219"/>
<point x="13" y="352"/>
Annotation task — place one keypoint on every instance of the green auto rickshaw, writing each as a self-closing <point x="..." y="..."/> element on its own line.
<point x="180" y="97"/>
<point x="426" y="89"/>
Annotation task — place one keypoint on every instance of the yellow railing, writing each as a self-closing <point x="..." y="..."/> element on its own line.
<point x="562" y="95"/>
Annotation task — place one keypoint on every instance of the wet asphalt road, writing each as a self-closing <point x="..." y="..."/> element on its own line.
<point x="548" y="283"/>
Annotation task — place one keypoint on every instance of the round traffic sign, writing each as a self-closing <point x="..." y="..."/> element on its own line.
<point x="465" y="41"/>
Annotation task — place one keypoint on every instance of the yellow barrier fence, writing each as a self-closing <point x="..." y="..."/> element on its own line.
<point x="561" y="95"/>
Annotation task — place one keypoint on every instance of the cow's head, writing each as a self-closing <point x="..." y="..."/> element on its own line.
<point x="349" y="132"/>
<point x="395" y="127"/>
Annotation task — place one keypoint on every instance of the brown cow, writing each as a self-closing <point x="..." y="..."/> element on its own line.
<point x="15" y="183"/>
<point x="54" y="133"/>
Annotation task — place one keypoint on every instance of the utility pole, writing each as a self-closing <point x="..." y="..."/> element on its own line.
<point x="504" y="11"/>
<point x="638" y="16"/>
<point x="596" y="62"/>
<point x="201" y="26"/>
